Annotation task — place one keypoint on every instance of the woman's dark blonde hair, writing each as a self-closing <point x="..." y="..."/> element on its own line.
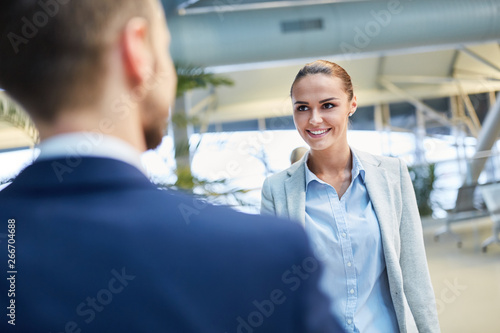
<point x="327" y="68"/>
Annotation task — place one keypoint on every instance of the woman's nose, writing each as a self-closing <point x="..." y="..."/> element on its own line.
<point x="315" y="118"/>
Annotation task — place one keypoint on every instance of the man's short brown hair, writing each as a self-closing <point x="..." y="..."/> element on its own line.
<point x="52" y="51"/>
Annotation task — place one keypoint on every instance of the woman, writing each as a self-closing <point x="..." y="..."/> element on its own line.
<point x="359" y="211"/>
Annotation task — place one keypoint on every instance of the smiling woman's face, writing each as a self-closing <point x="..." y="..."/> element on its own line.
<point x="321" y="109"/>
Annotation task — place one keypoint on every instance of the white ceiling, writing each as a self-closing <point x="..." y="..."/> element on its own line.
<point x="263" y="92"/>
<point x="420" y="49"/>
<point x="417" y="70"/>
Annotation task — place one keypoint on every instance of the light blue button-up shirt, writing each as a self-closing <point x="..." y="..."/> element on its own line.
<point x="346" y="237"/>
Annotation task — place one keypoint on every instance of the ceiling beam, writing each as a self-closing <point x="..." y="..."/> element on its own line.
<point x="221" y="7"/>
<point x="487" y="138"/>
<point x="480" y="59"/>
<point x="181" y="8"/>
<point x="11" y="150"/>
<point x="430" y="112"/>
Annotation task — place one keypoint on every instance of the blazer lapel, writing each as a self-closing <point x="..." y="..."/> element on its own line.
<point x="382" y="198"/>
<point x="377" y="184"/>
<point x="295" y="192"/>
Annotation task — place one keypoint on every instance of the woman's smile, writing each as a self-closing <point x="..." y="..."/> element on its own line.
<point x="318" y="133"/>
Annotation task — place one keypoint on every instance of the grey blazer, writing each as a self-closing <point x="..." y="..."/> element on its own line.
<point x="391" y="192"/>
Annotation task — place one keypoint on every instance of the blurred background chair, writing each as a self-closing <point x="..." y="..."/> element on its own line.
<point x="465" y="209"/>
<point x="491" y="196"/>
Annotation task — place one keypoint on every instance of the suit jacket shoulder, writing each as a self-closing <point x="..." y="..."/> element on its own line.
<point x="105" y="238"/>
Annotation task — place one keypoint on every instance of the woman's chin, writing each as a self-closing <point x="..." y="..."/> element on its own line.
<point x="318" y="147"/>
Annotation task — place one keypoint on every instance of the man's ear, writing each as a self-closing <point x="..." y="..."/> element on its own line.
<point x="137" y="54"/>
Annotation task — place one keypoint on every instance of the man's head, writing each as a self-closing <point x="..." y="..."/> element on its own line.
<point x="57" y="56"/>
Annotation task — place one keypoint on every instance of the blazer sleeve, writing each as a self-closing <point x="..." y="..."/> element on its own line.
<point x="416" y="278"/>
<point x="267" y="201"/>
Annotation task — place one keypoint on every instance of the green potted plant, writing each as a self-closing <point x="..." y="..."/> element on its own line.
<point x="423" y="178"/>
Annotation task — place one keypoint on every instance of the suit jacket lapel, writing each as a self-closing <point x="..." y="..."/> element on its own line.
<point x="377" y="184"/>
<point x="295" y="192"/>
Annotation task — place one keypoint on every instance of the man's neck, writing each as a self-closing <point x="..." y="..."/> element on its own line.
<point x="124" y="127"/>
<point x="76" y="145"/>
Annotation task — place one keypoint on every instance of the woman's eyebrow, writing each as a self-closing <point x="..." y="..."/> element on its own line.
<point x="328" y="99"/>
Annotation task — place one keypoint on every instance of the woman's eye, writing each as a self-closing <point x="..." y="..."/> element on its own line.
<point x="328" y="105"/>
<point x="302" y="108"/>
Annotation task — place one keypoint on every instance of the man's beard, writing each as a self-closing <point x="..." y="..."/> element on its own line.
<point x="155" y="103"/>
<point x="154" y="134"/>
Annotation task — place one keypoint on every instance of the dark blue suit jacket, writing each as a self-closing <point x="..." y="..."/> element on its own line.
<point x="103" y="250"/>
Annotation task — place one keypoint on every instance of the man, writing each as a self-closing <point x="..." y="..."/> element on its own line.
<point x="92" y="245"/>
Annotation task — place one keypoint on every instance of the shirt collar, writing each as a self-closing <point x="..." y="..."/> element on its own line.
<point x="357" y="169"/>
<point x="310" y="176"/>
<point x="86" y="144"/>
